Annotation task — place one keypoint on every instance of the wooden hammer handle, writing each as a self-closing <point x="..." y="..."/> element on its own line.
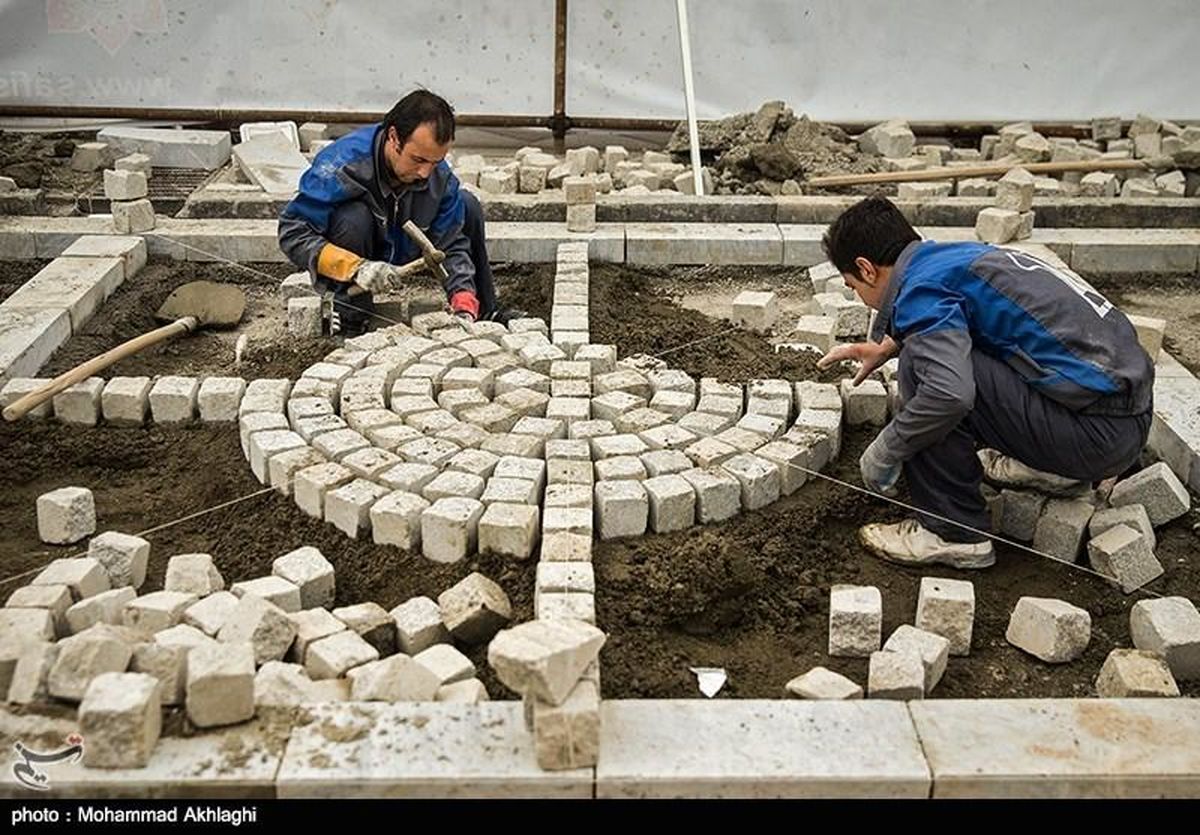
<point x="27" y="403"/>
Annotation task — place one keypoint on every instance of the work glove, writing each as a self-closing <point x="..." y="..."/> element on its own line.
<point x="375" y="276"/>
<point x="465" y="305"/>
<point x="880" y="471"/>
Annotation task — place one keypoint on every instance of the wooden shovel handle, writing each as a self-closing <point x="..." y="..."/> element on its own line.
<point x="27" y="403"/>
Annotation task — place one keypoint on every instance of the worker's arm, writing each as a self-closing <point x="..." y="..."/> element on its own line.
<point x="446" y="233"/>
<point x="932" y="327"/>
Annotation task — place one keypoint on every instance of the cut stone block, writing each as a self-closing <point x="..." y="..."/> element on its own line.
<point x="821" y="683"/>
<point x="1019" y="514"/>
<point x="311" y="485"/>
<point x="1061" y="528"/>
<point x="261" y="624"/>
<point x="622" y="509"/>
<point x="185" y="636"/>
<point x="105" y="607"/>
<point x="170" y="148"/>
<point x="947" y="608"/>
<point x="337" y="654"/>
<point x="395" y="679"/>
<point x="1132" y="515"/>
<point x="173" y="399"/>
<point x="17" y="387"/>
<point x="124" y="185"/>
<point x="396" y="519"/>
<point x="133" y="217"/>
<point x="210" y="613"/>
<point x="450" y="529"/>
<point x="446" y="663"/>
<point x="348" y="508"/>
<point x="419" y="625"/>
<point x="931" y="648"/>
<point x="90" y="156"/>
<point x="125" y="400"/>
<point x="1157" y="489"/>
<point x="672" y="503"/>
<point x="307" y="569"/>
<point x="66" y="515"/>
<point x="824" y="422"/>
<point x="82" y="657"/>
<point x="718" y="494"/>
<point x="509" y="529"/>
<point x="54" y="599"/>
<point x="544" y="659"/>
<point x="1124" y="555"/>
<point x="470" y="692"/>
<point x="756" y="311"/>
<point x="1134" y="673"/>
<point x="121" y="719"/>
<point x="84" y="576"/>
<point x="373" y="623"/>
<point x="157" y="610"/>
<point x="758" y="477"/>
<point x="474" y="608"/>
<point x="997" y="226"/>
<point x="30" y="673"/>
<point x="568" y="735"/>
<point x="866" y="403"/>
<point x="311" y="625"/>
<point x="123" y="556"/>
<point x="194" y="574"/>
<point x="1053" y="630"/>
<point x="220" y="684"/>
<point x="168" y="665"/>
<point x="1169" y="626"/>
<point x="896" y="675"/>
<point x="1014" y="191"/>
<point x="855" y="620"/>
<point x="853" y="317"/>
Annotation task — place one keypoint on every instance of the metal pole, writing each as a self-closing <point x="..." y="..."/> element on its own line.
<point x="689" y="95"/>
<point x="559" y="121"/>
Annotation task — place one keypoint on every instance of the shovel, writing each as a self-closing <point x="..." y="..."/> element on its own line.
<point x="191" y="306"/>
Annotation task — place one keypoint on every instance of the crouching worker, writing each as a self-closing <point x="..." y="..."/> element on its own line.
<point x="344" y="225"/>
<point x="1006" y="364"/>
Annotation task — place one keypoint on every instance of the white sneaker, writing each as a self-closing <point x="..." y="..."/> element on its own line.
<point x="909" y="543"/>
<point x="1006" y="471"/>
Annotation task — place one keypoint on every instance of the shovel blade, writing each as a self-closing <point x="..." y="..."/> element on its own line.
<point x="214" y="305"/>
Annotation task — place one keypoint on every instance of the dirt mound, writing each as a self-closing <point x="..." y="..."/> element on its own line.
<point x="755" y="153"/>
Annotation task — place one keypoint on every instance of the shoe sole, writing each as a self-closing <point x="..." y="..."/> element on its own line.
<point x="965" y="564"/>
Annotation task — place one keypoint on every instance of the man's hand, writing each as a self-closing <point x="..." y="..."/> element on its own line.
<point x="870" y="354"/>
<point x="375" y="276"/>
<point x="880" y="471"/>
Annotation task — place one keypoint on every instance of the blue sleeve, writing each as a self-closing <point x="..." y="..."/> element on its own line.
<point x="304" y="222"/>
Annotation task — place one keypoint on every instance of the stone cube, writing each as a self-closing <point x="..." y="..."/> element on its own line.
<point x="544" y="659"/>
<point x="1014" y="192"/>
<point x="82" y="657"/>
<point x="1053" y="630"/>
<point x="866" y="403"/>
<point x="756" y="311"/>
<point x="446" y="662"/>
<point x="133" y="216"/>
<point x="282" y="467"/>
<point x="1124" y="555"/>
<point x="419" y="625"/>
<point x="395" y="679"/>
<point x="66" y="515"/>
<point x="30" y="673"/>
<point x="997" y="226"/>
<point x="157" y="610"/>
<point x="312" y="483"/>
<point x="261" y="624"/>
<point x="823" y="684"/>
<point x="80" y="404"/>
<point x="124" y="185"/>
<point x="304" y="316"/>
<point x="124" y="557"/>
<point x="335" y="655"/>
<point x="622" y="508"/>
<point x="311" y="625"/>
<point x="450" y="529"/>
<point x="173" y="399"/>
<point x="509" y="529"/>
<point x="168" y="665"/>
<point x="220" y="684"/>
<point x="1135" y="673"/>
<point x="1156" y="489"/>
<point x="84" y="576"/>
<point x="718" y="494"/>
<point x="313" y="576"/>
<point x="568" y="735"/>
<point x="947" y="607"/>
<point x="758" y="477"/>
<point x="855" y="620"/>
<point x="210" y="613"/>
<point x="1019" y="514"/>
<point x="896" y="675"/>
<point x="474" y="608"/>
<point x="56" y="600"/>
<point x="1061" y="528"/>
<point x="396" y="519"/>
<point x="453" y="483"/>
<point x="105" y="607"/>
<point x="470" y="692"/>
<point x="373" y="623"/>
<point x="121" y="719"/>
<point x="125" y="400"/>
<point x="1132" y="515"/>
<point x="1169" y="626"/>
<point x="931" y="648"/>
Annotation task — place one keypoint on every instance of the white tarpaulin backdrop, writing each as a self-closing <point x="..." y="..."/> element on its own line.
<point x="834" y="59"/>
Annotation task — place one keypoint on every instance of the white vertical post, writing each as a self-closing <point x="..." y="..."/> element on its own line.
<point x="689" y="95"/>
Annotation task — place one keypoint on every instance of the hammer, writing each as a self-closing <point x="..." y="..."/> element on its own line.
<point x="431" y="259"/>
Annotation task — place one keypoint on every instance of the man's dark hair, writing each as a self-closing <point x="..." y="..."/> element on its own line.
<point x="417" y="108"/>
<point x="873" y="229"/>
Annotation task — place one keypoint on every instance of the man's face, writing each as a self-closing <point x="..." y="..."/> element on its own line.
<point x="415" y="160"/>
<point x="870" y="284"/>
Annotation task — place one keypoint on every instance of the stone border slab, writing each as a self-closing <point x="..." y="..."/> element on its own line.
<point x="538" y="242"/>
<point x="421" y="749"/>
<point x="231" y="763"/>
<point x="703" y="243"/>
<point x="1175" y="433"/>
<point x="758" y="748"/>
<point x="1061" y="747"/>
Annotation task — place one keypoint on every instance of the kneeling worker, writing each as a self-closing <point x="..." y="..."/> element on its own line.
<point x="997" y="350"/>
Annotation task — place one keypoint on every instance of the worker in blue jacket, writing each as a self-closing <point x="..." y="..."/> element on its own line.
<point x="344" y="225"/>
<point x="997" y="351"/>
